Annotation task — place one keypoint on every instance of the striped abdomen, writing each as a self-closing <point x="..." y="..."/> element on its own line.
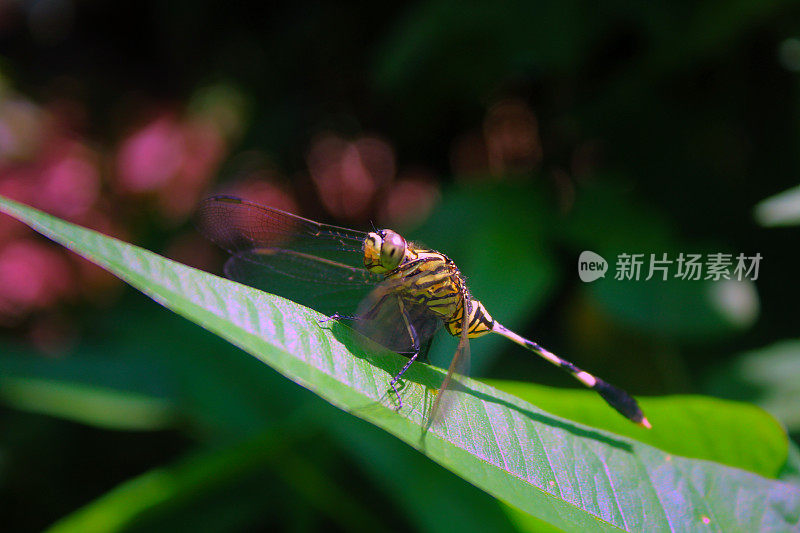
<point x="479" y="322"/>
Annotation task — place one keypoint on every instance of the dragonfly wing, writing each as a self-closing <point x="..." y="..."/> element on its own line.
<point x="397" y="323"/>
<point x="317" y="265"/>
<point x="315" y="284"/>
<point x="240" y="227"/>
<point x="447" y="395"/>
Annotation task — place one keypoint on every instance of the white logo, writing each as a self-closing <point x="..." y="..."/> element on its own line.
<point x="591" y="266"/>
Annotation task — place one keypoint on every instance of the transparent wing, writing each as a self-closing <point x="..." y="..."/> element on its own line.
<point x="314" y="283"/>
<point x="399" y="324"/>
<point x="241" y="226"/>
<point x="447" y="395"/>
<point x="317" y="265"/>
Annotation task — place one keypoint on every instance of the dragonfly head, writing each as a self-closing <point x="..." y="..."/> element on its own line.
<point x="384" y="250"/>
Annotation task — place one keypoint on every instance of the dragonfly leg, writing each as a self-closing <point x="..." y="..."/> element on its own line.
<point x="393" y="383"/>
<point x="414" y="336"/>
<point x="366" y="315"/>
<point x="336" y="316"/>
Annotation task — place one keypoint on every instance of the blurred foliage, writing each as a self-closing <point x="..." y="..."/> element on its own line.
<point x="658" y="128"/>
<point x="769" y="376"/>
<point x="783" y="209"/>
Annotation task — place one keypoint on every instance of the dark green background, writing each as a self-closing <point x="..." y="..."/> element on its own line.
<point x="696" y="117"/>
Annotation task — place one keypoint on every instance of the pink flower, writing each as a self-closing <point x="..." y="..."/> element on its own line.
<point x="349" y="174"/>
<point x="174" y="159"/>
<point x="409" y="200"/>
<point x="32" y="276"/>
<point x="69" y="182"/>
<point x="151" y="156"/>
<point x="202" y="151"/>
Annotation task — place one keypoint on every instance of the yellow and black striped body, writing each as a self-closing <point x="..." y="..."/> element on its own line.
<point x="432" y="279"/>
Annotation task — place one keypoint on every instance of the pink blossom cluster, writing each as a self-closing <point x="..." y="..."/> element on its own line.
<point x="162" y="163"/>
<point x="356" y="178"/>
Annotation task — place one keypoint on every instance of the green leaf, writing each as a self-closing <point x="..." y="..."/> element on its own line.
<point x="572" y="476"/>
<point x="122" y="392"/>
<point x="733" y="433"/>
<point x="101" y="407"/>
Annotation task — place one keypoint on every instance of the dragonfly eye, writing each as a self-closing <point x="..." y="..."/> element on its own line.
<point x="393" y="250"/>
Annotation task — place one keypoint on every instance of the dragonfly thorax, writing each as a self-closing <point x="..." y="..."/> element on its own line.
<point x="430" y="278"/>
<point x="426" y="277"/>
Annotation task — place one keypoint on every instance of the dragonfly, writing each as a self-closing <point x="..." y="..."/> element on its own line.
<point x="402" y="294"/>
